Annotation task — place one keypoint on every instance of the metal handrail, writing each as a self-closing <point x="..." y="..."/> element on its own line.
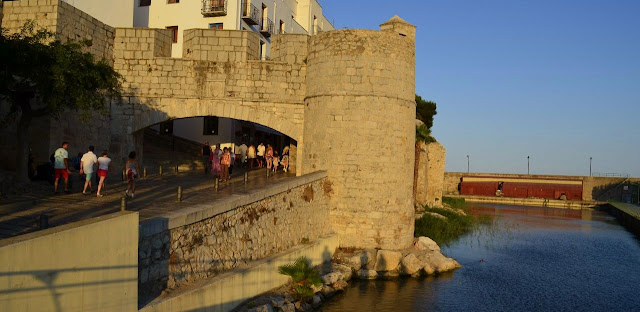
<point x="214" y="7"/>
<point x="267" y="26"/>
<point x="250" y="11"/>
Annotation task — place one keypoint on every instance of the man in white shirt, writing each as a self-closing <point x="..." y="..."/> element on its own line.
<point x="87" y="164"/>
<point x="261" y="150"/>
<point x="241" y="151"/>
<point x="61" y="167"/>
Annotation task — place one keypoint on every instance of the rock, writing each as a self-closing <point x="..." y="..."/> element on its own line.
<point x="457" y="211"/>
<point x="362" y="259"/>
<point x="440" y="263"/>
<point x="317" y="301"/>
<point x="346" y="271"/>
<point x="428" y="269"/>
<point x="367" y="274"/>
<point x="263" y="308"/>
<point x="341" y="285"/>
<point x="331" y="277"/>
<point x="316" y="289"/>
<point x="437" y="215"/>
<point x="425" y="243"/>
<point x="289" y="307"/>
<point x="303" y="306"/>
<point x="388" y="260"/>
<point x="328" y="291"/>
<point x="288" y="298"/>
<point x="410" y="265"/>
<point x="278" y="302"/>
<point x="389" y="274"/>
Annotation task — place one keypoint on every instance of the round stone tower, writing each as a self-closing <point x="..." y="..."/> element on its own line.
<point x="360" y="127"/>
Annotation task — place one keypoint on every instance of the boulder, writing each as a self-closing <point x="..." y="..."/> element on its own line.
<point x="388" y="260"/>
<point x="425" y="243"/>
<point x="289" y="307"/>
<point x="367" y="274"/>
<point x="389" y="274"/>
<point x="440" y="263"/>
<point x="288" y="298"/>
<point x="328" y="291"/>
<point x="317" y="301"/>
<point x="263" y="308"/>
<point x="362" y="259"/>
<point x="410" y="265"/>
<point x="428" y="269"/>
<point x="436" y="215"/>
<point x="331" y="277"/>
<point x="344" y="270"/>
<point x="303" y="306"/>
<point x="278" y="302"/>
<point x="340" y="285"/>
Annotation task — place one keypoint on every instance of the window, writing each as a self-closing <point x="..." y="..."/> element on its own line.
<point x="262" y="53"/>
<point x="144" y="3"/>
<point x="315" y="25"/>
<point x="175" y="32"/>
<point x="210" y="126"/>
<point x="281" y="29"/>
<point x="173" y="1"/>
<point x="218" y="26"/>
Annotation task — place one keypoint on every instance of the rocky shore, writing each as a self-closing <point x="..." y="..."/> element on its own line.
<point x="422" y="259"/>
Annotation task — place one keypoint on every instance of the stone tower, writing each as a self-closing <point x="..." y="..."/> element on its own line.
<point x="359" y="126"/>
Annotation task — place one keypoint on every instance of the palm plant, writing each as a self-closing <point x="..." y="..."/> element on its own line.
<point x="303" y="276"/>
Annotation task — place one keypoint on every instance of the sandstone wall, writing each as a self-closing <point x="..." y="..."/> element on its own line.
<point x="221" y="45"/>
<point x="359" y="126"/>
<point x="273" y="220"/>
<point x="290" y="48"/>
<point x="430" y="174"/>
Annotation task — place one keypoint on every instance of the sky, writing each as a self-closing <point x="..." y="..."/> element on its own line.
<point x="558" y="81"/>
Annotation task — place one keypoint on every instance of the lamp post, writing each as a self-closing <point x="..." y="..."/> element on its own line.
<point x="590" y="160"/>
<point x="528" y="165"/>
<point x="468" y="164"/>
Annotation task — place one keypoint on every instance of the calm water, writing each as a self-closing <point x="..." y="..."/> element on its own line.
<point x="531" y="259"/>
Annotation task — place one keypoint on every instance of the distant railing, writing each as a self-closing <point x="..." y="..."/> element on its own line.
<point x="268" y="27"/>
<point x="214" y="7"/>
<point x="611" y="175"/>
<point x="250" y="13"/>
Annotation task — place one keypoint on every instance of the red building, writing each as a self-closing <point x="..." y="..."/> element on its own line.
<point x="529" y="187"/>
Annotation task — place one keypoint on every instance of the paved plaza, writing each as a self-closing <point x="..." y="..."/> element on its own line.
<point x="155" y="196"/>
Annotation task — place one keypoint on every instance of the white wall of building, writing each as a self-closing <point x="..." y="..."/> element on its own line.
<point x="192" y="129"/>
<point x="115" y="13"/>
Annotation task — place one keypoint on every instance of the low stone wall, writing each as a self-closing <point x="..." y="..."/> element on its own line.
<point x="430" y="174"/>
<point x="84" y="266"/>
<point x="205" y="240"/>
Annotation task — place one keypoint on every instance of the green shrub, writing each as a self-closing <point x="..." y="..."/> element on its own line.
<point x="303" y="276"/>
<point x="445" y="231"/>
<point x="459" y="203"/>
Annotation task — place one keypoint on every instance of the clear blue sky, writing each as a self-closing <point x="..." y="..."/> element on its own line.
<point x="556" y="80"/>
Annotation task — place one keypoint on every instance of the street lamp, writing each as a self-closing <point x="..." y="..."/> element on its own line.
<point x="528" y="165"/>
<point x="467" y="163"/>
<point x="590" y="160"/>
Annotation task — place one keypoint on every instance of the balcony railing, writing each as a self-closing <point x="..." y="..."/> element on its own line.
<point x="214" y="7"/>
<point x="250" y="13"/>
<point x="267" y="29"/>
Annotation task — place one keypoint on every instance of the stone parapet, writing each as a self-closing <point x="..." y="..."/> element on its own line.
<point x="430" y="174"/>
<point x="205" y="240"/>
<point x="290" y="48"/>
<point x="141" y="43"/>
<point x="221" y="45"/>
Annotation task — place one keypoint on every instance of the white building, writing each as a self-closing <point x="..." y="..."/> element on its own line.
<point x="266" y="17"/>
<point x="115" y="13"/>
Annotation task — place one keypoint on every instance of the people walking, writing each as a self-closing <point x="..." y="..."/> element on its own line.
<point x="251" y="155"/>
<point x="225" y="162"/>
<point x="104" y="165"/>
<point x="215" y="162"/>
<point x="61" y="167"/>
<point x="87" y="164"/>
<point x="242" y="152"/>
<point x="206" y="157"/>
<point x="285" y="159"/>
<point x="276" y="161"/>
<point x="133" y="167"/>
<point x="268" y="156"/>
<point x="261" y="150"/>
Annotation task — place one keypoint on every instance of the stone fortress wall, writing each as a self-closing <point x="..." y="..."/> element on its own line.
<point x="346" y="97"/>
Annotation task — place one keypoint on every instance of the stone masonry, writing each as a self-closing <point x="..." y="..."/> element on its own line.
<point x="203" y="248"/>
<point x="345" y="97"/>
<point x="430" y="174"/>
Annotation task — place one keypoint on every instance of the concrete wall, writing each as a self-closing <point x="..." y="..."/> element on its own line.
<point x="116" y="13"/>
<point x="85" y="266"/>
<point x="219" y="236"/>
<point x="592" y="187"/>
<point x="359" y="126"/>
<point x="430" y="174"/>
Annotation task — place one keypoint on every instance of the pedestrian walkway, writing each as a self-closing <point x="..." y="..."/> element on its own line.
<point x="631" y="210"/>
<point x="155" y="196"/>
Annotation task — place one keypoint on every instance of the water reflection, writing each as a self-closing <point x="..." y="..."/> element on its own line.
<point x="529" y="259"/>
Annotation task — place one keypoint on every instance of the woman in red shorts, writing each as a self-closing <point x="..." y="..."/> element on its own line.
<point x="104" y="165"/>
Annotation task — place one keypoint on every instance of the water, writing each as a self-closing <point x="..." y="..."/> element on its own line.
<point x="530" y="259"/>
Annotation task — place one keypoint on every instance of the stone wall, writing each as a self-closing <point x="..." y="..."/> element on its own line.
<point x="290" y="48"/>
<point x="220" y="236"/>
<point x="359" y="126"/>
<point x="221" y="45"/>
<point x="430" y="174"/>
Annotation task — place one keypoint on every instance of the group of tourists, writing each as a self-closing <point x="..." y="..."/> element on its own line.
<point x="88" y="163"/>
<point x="220" y="162"/>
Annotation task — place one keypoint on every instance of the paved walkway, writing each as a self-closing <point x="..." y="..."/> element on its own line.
<point x="155" y="196"/>
<point x="629" y="209"/>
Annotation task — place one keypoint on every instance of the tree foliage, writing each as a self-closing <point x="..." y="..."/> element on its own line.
<point x="303" y="276"/>
<point x="60" y="75"/>
<point x="425" y="110"/>
<point x="423" y="134"/>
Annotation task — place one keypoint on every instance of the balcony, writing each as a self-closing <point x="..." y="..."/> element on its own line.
<point x="267" y="29"/>
<point x="214" y="7"/>
<point x="250" y="13"/>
